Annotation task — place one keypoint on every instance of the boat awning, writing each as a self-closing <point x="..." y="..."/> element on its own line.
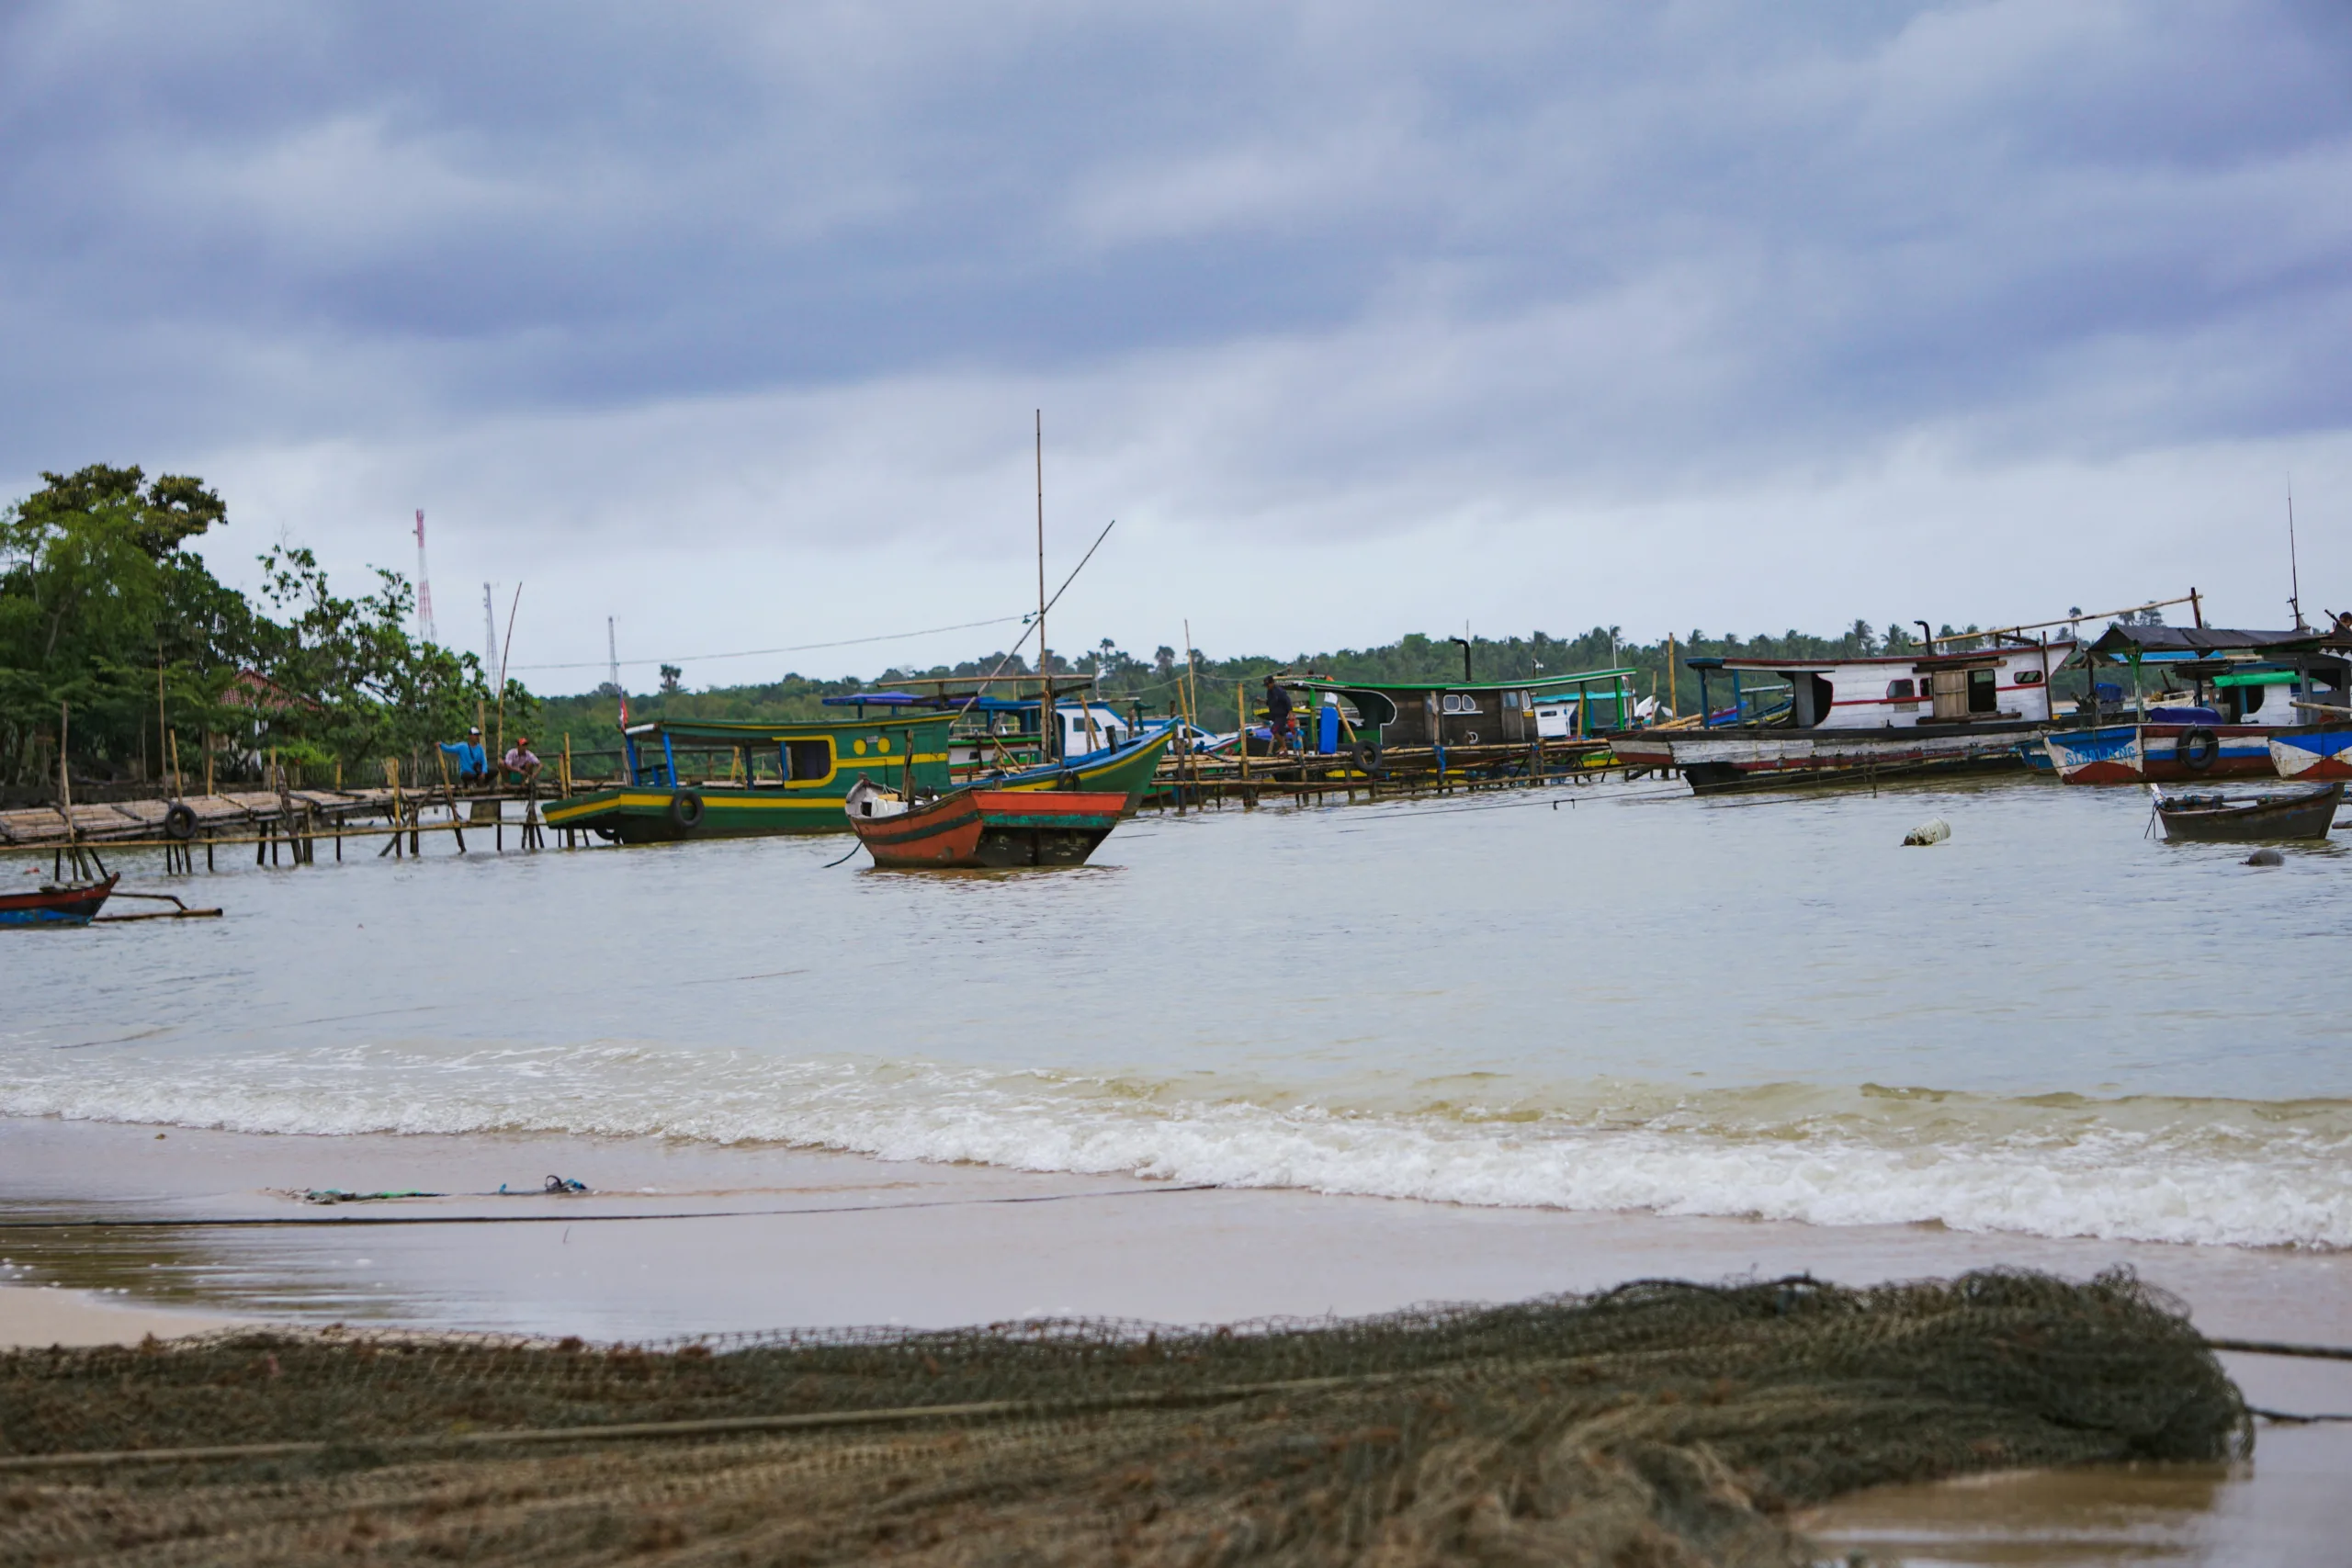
<point x="724" y="732"/>
<point x="2121" y="642"/>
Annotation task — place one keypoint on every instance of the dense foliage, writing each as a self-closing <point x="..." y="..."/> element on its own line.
<point x="112" y="628"/>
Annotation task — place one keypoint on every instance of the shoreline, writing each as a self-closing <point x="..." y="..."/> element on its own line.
<point x="797" y="1238"/>
<point x="764" y="1236"/>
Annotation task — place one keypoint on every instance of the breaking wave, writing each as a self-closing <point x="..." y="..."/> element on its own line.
<point x="2238" y="1173"/>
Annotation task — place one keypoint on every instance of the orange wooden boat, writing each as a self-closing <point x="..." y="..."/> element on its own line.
<point x="994" y="828"/>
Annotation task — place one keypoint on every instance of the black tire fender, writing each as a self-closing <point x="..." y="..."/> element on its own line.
<point x="2196" y="749"/>
<point x="179" y="821"/>
<point x="686" y="810"/>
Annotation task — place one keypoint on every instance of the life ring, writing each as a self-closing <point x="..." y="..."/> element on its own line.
<point x="179" y="821"/>
<point x="2196" y="748"/>
<point x="686" y="810"/>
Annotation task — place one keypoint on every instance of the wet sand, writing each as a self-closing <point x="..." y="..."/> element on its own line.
<point x="678" y="1238"/>
<point x="33" y="1315"/>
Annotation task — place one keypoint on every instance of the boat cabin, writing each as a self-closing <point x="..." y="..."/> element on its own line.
<point x="2218" y="675"/>
<point x="673" y="754"/>
<point x="1461" y="713"/>
<point x="2006" y="683"/>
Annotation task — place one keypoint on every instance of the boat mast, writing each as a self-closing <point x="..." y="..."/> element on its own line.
<point x="1046" y="717"/>
<point x="2294" y="572"/>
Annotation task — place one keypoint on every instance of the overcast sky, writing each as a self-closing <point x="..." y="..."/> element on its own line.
<point x="729" y="322"/>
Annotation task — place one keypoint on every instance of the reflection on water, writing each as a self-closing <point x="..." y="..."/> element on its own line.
<point x="2285" y="1507"/>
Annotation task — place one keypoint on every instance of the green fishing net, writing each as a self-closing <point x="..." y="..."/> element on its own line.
<point x="1660" y="1423"/>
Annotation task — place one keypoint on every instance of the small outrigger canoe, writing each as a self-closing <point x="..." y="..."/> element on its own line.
<point x="55" y="904"/>
<point x="2248" y="815"/>
<point x="983" y="828"/>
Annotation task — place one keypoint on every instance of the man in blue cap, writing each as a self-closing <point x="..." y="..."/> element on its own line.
<point x="473" y="766"/>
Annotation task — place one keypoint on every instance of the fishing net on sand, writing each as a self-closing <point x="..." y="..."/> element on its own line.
<point x="1660" y="1423"/>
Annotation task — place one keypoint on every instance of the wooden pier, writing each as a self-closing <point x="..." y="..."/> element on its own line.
<point x="1396" y="774"/>
<point x="289" y="826"/>
<point x="279" y="826"/>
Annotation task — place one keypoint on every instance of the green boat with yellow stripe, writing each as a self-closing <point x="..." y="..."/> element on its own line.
<point x="714" y="780"/>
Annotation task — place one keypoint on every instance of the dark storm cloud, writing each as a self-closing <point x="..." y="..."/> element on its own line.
<point x="1592" y="247"/>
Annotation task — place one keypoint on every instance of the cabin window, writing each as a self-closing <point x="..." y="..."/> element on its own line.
<point x="1903" y="692"/>
<point x="2254" y="696"/>
<point x="1983" y="691"/>
<point x="804" y="760"/>
<point x="1455" y="702"/>
<point x="2027" y="677"/>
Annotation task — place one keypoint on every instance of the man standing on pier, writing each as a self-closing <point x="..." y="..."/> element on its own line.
<point x="473" y="766"/>
<point x="1277" y="716"/>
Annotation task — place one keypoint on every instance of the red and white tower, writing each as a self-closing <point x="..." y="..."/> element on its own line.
<point x="423" y="586"/>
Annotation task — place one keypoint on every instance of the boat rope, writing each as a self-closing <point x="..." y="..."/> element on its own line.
<point x="275" y="1222"/>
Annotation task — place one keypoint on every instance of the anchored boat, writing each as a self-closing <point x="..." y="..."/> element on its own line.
<point x="1798" y="721"/>
<point x="2247" y="815"/>
<point x="57" y="904"/>
<point x="983" y="828"/>
<point x="2225" y="704"/>
<point x="691" y="779"/>
<point x="2314" y="754"/>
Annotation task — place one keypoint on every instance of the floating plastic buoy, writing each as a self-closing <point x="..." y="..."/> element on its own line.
<point x="2265" y="857"/>
<point x="1934" y="830"/>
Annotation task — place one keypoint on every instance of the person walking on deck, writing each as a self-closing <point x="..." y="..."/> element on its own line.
<point x="472" y="764"/>
<point x="1278" y="724"/>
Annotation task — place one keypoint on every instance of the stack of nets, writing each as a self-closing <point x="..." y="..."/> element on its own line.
<point x="1660" y="1423"/>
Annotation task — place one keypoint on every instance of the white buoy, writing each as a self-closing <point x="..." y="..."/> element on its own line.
<point x="1934" y="830"/>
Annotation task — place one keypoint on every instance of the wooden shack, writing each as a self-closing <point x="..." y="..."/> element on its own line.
<point x="1375" y="715"/>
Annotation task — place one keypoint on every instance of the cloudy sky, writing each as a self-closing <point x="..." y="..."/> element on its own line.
<point x="730" y="321"/>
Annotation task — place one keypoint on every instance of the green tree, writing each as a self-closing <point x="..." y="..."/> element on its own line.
<point x="98" y="601"/>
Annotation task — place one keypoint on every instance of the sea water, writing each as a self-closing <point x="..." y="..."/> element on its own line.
<point x="1597" y="998"/>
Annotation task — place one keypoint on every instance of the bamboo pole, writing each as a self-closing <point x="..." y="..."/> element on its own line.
<point x="1241" y="738"/>
<point x="400" y="810"/>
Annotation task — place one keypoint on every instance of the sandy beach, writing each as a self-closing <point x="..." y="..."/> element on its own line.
<point x="681" y="1238"/>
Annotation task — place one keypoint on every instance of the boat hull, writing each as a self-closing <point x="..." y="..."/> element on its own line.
<point x="75" y="906"/>
<point x="2304" y="814"/>
<point x="2318" y="754"/>
<point x="994" y="829"/>
<point x="1717" y="761"/>
<point x="2161" y="753"/>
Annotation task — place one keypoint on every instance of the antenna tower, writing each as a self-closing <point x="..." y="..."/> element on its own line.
<point x="423" y="586"/>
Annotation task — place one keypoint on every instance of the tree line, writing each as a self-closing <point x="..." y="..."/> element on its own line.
<point x="116" y="638"/>
<point x="1216" y="687"/>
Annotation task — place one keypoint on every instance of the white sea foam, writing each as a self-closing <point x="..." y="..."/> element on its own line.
<point x="2196" y="1172"/>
